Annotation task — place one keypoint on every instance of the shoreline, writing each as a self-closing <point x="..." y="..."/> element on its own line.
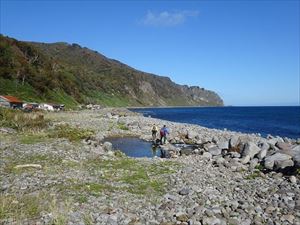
<point x="260" y="132"/>
<point x="230" y="178"/>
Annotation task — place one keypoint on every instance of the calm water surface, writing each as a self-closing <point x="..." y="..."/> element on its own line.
<point x="134" y="147"/>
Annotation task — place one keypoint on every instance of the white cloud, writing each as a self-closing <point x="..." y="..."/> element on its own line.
<point x="167" y="19"/>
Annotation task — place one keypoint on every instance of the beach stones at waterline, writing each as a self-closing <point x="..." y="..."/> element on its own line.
<point x="215" y="151"/>
<point x="107" y="146"/>
<point x="278" y="161"/>
<point x="250" y="149"/>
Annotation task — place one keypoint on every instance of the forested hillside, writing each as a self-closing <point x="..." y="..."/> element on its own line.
<point x="70" y="74"/>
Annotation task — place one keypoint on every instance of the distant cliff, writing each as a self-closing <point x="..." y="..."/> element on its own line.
<point x="71" y="74"/>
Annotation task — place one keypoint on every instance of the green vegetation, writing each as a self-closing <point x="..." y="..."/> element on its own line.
<point x="138" y="178"/>
<point x="22" y="121"/>
<point x="60" y="97"/>
<point x="33" y="138"/>
<point x="259" y="167"/>
<point x="70" y="74"/>
<point x="30" y="206"/>
<point x="108" y="99"/>
<point x="71" y="133"/>
<point x="254" y="175"/>
<point x="123" y="126"/>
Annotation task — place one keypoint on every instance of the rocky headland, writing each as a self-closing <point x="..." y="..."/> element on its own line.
<point x="65" y="173"/>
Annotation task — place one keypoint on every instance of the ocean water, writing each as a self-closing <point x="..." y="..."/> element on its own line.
<point x="283" y="121"/>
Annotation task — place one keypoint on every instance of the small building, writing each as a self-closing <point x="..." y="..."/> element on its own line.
<point x="51" y="107"/>
<point x="10" y="101"/>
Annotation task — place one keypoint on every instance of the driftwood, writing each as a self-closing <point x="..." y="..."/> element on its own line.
<point x="38" y="166"/>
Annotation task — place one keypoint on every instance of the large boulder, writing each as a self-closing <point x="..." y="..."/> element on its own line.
<point x="274" y="141"/>
<point x="278" y="161"/>
<point x="192" y="135"/>
<point x="283" y="146"/>
<point x="234" y="141"/>
<point x="296" y="158"/>
<point x="188" y="150"/>
<point x="250" y="149"/>
<point x="223" y="144"/>
<point x="264" y="147"/>
<point x="168" y="150"/>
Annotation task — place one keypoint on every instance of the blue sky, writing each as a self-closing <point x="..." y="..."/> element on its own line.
<point x="246" y="51"/>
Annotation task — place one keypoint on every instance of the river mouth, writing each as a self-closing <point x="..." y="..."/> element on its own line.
<point x="134" y="147"/>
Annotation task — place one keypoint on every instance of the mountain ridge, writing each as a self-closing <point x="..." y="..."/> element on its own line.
<point x="69" y="73"/>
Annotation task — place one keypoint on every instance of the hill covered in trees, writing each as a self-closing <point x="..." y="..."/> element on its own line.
<point x="71" y="74"/>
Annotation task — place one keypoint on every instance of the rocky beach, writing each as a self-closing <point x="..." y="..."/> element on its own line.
<point x="66" y="173"/>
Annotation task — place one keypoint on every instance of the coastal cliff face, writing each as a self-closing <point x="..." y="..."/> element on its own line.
<point x="71" y="74"/>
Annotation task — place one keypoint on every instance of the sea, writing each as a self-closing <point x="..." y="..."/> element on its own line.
<point x="281" y="121"/>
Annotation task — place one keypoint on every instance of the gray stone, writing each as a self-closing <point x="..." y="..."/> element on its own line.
<point x="234" y="141"/>
<point x="250" y="149"/>
<point x="246" y="222"/>
<point x="278" y="160"/>
<point x="262" y="154"/>
<point x="215" y="151"/>
<point x="220" y="161"/>
<point x="107" y="146"/>
<point x="235" y="154"/>
<point x="253" y="163"/>
<point x="184" y="191"/>
<point x="283" y="146"/>
<point x="192" y="135"/>
<point x="245" y="159"/>
<point x="223" y="144"/>
<point x="296" y="159"/>
<point x="293" y="179"/>
<point x="207" y="155"/>
<point x="186" y="151"/>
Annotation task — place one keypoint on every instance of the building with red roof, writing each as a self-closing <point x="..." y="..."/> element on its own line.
<point x="10" y="101"/>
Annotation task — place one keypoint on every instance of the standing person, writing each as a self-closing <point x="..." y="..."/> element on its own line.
<point x="154" y="132"/>
<point x="163" y="134"/>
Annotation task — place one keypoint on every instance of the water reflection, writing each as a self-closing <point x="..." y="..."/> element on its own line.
<point x="135" y="147"/>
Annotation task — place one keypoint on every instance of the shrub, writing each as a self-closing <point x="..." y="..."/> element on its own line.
<point x="71" y="133"/>
<point x="22" y="121"/>
<point x="122" y="126"/>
